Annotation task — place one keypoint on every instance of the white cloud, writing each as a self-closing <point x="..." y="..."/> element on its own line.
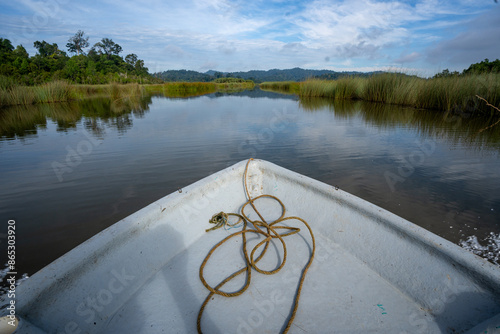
<point x="348" y="23"/>
<point x="409" y="58"/>
<point x="239" y="35"/>
<point x="477" y="41"/>
<point x="174" y="50"/>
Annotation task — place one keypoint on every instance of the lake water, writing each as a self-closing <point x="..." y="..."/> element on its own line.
<point x="68" y="171"/>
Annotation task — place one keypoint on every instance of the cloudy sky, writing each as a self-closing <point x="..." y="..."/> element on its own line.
<point x="420" y="37"/>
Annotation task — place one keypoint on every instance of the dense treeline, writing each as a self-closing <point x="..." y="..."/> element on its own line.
<point x="231" y="80"/>
<point x="184" y="76"/>
<point x="486" y="66"/>
<point x="293" y="74"/>
<point x="101" y="64"/>
<point x="299" y="74"/>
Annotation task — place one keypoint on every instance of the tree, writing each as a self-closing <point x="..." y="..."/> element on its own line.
<point x="5" y="45"/>
<point x="446" y="74"/>
<point x="99" y="64"/>
<point x="72" y="70"/>
<point x="92" y="54"/>
<point x="45" y="49"/>
<point x="140" y="68"/>
<point x="131" y="59"/>
<point x="21" y="52"/>
<point x="108" y="47"/>
<point x="77" y="43"/>
<point x="486" y="66"/>
<point x="5" y="51"/>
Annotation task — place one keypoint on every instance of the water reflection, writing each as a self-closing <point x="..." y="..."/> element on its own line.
<point x="99" y="113"/>
<point x="255" y="93"/>
<point x="460" y="128"/>
<point x="96" y="114"/>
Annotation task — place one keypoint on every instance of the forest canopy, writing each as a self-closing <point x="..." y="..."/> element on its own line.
<point x="100" y="64"/>
<point x="485" y="66"/>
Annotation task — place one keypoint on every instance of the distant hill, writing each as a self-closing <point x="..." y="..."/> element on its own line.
<point x="294" y="74"/>
<point x="184" y="75"/>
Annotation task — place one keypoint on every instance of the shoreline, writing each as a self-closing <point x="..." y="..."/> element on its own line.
<point x="62" y="91"/>
<point x="455" y="93"/>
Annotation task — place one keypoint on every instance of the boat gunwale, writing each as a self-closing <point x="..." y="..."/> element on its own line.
<point x="479" y="269"/>
<point x="47" y="281"/>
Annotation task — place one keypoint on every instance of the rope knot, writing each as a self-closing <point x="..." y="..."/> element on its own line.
<point x="219" y="219"/>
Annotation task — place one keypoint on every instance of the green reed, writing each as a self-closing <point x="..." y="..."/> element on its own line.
<point x="445" y="93"/>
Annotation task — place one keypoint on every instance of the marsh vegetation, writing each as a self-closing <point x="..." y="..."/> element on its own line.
<point x="447" y="93"/>
<point x="62" y="91"/>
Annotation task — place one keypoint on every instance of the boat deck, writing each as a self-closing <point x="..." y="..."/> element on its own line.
<point x="373" y="271"/>
<point x="340" y="293"/>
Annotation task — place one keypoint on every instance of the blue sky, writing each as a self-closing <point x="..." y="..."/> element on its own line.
<point x="419" y="37"/>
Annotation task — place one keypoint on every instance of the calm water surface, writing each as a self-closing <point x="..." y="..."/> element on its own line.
<point x="67" y="171"/>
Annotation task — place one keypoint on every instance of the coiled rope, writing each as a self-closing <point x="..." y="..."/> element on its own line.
<point x="269" y="232"/>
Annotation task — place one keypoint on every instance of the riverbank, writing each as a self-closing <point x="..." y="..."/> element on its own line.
<point x="456" y="93"/>
<point x="62" y="91"/>
<point x="187" y="89"/>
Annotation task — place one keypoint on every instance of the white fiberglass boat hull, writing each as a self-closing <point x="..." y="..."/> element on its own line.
<point x="373" y="271"/>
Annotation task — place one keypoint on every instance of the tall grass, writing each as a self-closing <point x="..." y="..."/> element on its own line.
<point x="338" y="89"/>
<point x="458" y="93"/>
<point x="445" y="93"/>
<point x="187" y="89"/>
<point x="233" y="86"/>
<point x="61" y="91"/>
<point x="316" y="88"/>
<point x="54" y="91"/>
<point x="347" y="88"/>
<point x="117" y="91"/>
<point x="283" y="86"/>
<point x="181" y="89"/>
<point x="6" y="82"/>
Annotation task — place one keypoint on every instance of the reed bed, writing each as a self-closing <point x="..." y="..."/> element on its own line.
<point x="291" y="87"/>
<point x="182" y="89"/>
<point x="55" y="91"/>
<point x="187" y="89"/>
<point x="234" y="86"/>
<point x="117" y="91"/>
<point x="318" y="88"/>
<point x="61" y="91"/>
<point x="456" y="93"/>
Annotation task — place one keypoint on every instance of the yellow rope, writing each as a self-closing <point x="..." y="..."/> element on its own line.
<point x="269" y="232"/>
